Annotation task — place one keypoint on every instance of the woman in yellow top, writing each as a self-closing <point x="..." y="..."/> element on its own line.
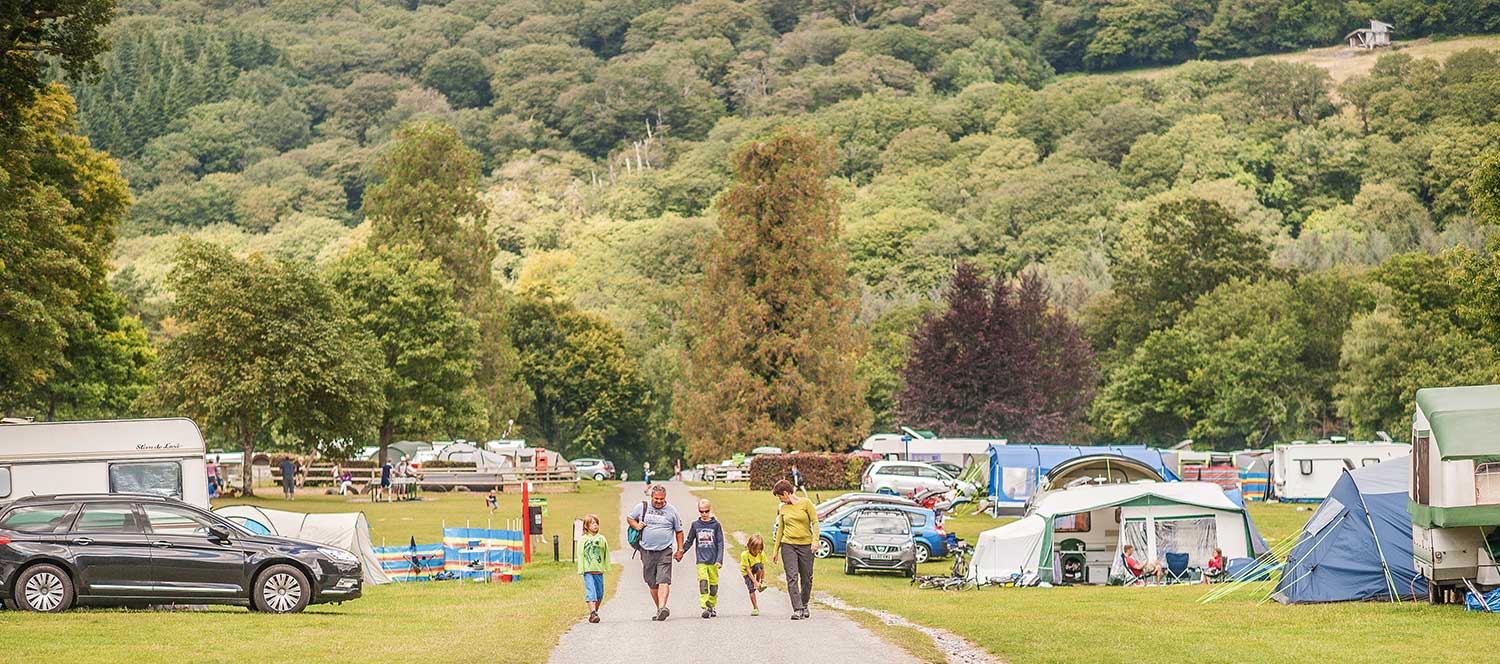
<point x="796" y="530"/>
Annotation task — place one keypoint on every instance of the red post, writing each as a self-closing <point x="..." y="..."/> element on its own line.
<point x="526" y="520"/>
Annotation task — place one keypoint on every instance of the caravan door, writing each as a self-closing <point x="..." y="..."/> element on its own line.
<point x="110" y="552"/>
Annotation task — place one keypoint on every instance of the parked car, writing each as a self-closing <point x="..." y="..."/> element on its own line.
<point x="927" y="533"/>
<point x="881" y="539"/>
<point x="137" y="549"/>
<point x="599" y="469"/>
<point x="950" y="468"/>
<point x="908" y="477"/>
<point x="838" y="503"/>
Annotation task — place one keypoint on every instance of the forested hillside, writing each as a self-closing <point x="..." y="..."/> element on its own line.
<point x="1252" y="252"/>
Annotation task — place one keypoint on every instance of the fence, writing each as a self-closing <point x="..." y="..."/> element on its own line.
<point x="452" y="479"/>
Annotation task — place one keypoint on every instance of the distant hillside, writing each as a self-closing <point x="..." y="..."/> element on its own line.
<point x="1343" y="62"/>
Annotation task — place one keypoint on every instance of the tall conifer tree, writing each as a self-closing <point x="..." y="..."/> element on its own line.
<point x="774" y="348"/>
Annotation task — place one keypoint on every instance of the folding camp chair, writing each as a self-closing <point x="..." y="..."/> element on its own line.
<point x="1127" y="576"/>
<point x="1177" y="568"/>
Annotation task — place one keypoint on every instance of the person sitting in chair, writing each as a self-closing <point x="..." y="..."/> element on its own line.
<point x="1140" y="569"/>
<point x="1215" y="569"/>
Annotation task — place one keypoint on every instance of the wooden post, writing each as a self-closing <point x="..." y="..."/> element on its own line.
<point x="526" y="520"/>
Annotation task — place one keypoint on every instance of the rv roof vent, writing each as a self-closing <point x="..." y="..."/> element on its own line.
<point x="15" y="420"/>
<point x="1339" y="439"/>
<point x="1299" y="442"/>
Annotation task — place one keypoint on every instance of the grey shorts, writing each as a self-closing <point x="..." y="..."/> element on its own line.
<point x="656" y="567"/>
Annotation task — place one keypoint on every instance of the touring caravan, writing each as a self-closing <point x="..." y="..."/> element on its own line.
<point x="1306" y="472"/>
<point x="1454" y="493"/>
<point x="156" y="456"/>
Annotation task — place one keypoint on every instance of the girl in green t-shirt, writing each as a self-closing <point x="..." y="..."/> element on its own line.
<point x="593" y="562"/>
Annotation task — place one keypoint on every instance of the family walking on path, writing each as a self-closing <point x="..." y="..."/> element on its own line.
<point x="622" y="631"/>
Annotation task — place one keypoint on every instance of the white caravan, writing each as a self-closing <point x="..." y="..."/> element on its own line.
<point x="1306" y="472"/>
<point x="159" y="456"/>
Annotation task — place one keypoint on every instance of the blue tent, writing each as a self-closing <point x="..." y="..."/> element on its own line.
<point x="1357" y="546"/>
<point x="1016" y="470"/>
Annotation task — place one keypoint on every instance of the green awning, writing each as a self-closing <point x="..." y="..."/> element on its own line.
<point x="1428" y="516"/>
<point x="1464" y="420"/>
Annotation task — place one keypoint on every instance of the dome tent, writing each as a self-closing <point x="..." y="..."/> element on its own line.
<point x="347" y="530"/>
<point x="1358" y="545"/>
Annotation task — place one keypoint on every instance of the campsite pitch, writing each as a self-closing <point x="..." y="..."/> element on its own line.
<point x="1153" y="624"/>
<point x="398" y="622"/>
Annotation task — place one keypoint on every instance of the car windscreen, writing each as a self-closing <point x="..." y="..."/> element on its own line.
<point x="882" y="524"/>
<point x="162" y="478"/>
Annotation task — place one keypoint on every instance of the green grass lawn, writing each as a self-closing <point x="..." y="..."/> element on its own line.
<point x="398" y="622"/>
<point x="1111" y="624"/>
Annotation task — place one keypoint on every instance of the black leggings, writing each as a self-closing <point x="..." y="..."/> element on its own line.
<point x="798" y="561"/>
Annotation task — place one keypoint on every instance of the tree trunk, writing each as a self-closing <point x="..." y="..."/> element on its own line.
<point x="246" y="469"/>
<point x="387" y="433"/>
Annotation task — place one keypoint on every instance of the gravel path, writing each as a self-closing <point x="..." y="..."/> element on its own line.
<point x="627" y="634"/>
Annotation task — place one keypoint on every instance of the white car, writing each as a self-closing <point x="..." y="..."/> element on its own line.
<point x="907" y="477"/>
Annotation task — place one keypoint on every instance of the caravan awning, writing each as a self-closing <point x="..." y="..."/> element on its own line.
<point x="1089" y="498"/>
<point x="1463" y="420"/>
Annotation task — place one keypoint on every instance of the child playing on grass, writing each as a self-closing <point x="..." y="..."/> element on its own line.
<point x="708" y="536"/>
<point x="492" y="501"/>
<point x="593" y="562"/>
<point x="753" y="568"/>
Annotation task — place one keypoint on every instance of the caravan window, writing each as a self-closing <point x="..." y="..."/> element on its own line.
<point x="4" y="482"/>
<point x="1487" y="484"/>
<point x="1195" y="536"/>
<point x="1073" y="523"/>
<point x="1368" y="462"/>
<point x="162" y="479"/>
<point x="1305" y="465"/>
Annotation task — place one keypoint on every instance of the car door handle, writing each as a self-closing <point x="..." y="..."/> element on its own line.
<point x="162" y="544"/>
<point x="84" y="541"/>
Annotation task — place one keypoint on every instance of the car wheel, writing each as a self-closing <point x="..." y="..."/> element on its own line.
<point x="885" y="490"/>
<point x="281" y="589"/>
<point x="825" y="548"/>
<point x="924" y="553"/>
<point x="44" y="589"/>
<point x="599" y="477"/>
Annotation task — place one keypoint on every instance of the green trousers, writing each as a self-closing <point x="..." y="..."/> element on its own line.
<point x="708" y="585"/>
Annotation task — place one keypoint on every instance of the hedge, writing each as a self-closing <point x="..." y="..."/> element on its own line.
<point x="820" y="472"/>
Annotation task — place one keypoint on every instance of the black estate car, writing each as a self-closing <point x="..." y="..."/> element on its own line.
<point x="137" y="550"/>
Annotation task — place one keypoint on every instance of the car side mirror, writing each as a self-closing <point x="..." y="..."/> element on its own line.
<point x="218" y="532"/>
<point x="844" y="529"/>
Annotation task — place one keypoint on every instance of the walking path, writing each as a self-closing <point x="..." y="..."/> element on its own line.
<point x="627" y="634"/>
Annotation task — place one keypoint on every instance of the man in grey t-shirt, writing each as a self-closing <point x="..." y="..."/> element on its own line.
<point x="660" y="528"/>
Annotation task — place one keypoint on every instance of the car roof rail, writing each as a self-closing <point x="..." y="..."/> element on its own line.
<point x="130" y="495"/>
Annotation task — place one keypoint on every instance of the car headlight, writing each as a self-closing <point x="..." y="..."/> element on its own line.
<point x="906" y="546"/>
<point x="338" y="555"/>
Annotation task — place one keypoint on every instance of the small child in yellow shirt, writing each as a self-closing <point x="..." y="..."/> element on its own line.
<point x="753" y="568"/>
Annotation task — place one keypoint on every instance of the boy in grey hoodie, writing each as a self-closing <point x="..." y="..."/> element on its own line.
<point x="708" y="537"/>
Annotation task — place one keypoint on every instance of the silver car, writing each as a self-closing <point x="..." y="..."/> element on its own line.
<point x="881" y="540"/>
<point x="907" y="477"/>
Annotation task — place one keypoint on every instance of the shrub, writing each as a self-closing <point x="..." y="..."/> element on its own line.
<point x="820" y="472"/>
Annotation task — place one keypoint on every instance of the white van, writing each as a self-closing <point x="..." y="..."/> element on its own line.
<point x="156" y="456"/>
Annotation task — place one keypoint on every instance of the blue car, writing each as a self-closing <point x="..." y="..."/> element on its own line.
<point x="931" y="541"/>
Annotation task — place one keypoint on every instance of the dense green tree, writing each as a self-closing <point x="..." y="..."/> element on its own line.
<point x="33" y="34"/>
<point x="106" y="366"/>
<point x="1484" y="189"/>
<point x="1168" y="258"/>
<point x="460" y="74"/>
<point x="427" y="345"/>
<point x="889" y="338"/>
<point x="773" y="351"/>
<point x="266" y="348"/>
<point x="428" y="196"/>
<point x="589" y="396"/>
<point x="59" y="209"/>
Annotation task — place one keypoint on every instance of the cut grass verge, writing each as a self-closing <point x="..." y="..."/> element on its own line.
<point x="398" y="622"/>
<point x="1166" y="624"/>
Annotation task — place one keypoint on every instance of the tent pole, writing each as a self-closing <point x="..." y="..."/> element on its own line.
<point x="1385" y="568"/>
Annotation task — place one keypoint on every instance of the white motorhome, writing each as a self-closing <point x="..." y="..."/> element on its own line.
<point x="1306" y="472"/>
<point x="157" y="456"/>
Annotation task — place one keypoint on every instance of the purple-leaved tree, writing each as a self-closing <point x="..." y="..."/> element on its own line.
<point x="1000" y="362"/>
